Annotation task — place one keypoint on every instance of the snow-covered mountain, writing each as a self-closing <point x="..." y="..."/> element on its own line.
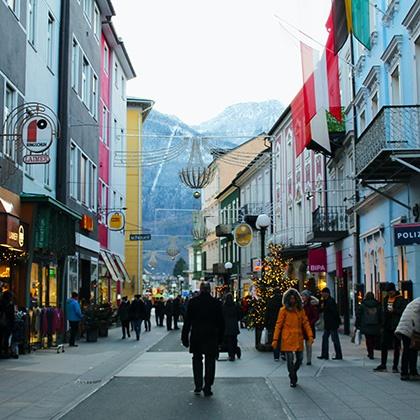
<point x="241" y="121"/>
<point x="162" y="189"/>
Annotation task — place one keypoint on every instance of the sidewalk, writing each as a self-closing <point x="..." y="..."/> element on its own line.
<point x="44" y="384"/>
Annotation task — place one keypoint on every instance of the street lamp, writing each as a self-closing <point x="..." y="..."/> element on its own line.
<point x="228" y="268"/>
<point x="262" y="223"/>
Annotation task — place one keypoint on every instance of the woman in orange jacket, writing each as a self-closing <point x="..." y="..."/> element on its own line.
<point x="293" y="327"/>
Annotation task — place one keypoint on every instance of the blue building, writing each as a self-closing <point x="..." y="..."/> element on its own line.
<point x="387" y="145"/>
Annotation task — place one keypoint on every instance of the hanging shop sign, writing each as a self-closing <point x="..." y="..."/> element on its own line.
<point x="37" y="134"/>
<point x="36" y="159"/>
<point x="116" y="221"/>
<point x="86" y="223"/>
<point x="407" y="234"/>
<point x="242" y="235"/>
<point x="12" y="232"/>
<point x="317" y="260"/>
<point x="140" y="237"/>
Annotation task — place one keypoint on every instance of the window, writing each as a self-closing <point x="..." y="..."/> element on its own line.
<point x="87" y="9"/>
<point x="10" y="102"/>
<point x="50" y="41"/>
<point x="94" y="97"/>
<point x="14" y="5"/>
<point x="75" y="66"/>
<point x="103" y="203"/>
<point x="362" y="121"/>
<point x="106" y="58"/>
<point x="31" y="21"/>
<point x="83" y="182"/>
<point x="395" y="86"/>
<point x="374" y="104"/>
<point x="116" y="75"/>
<point x="105" y="118"/>
<point x="85" y="78"/>
<point x="96" y="22"/>
<point x="123" y="87"/>
<point x="46" y="172"/>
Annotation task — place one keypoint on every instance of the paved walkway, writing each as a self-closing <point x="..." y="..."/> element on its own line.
<point x="44" y="384"/>
<point x="160" y="381"/>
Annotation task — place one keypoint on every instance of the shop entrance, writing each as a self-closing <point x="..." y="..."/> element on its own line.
<point x="85" y="281"/>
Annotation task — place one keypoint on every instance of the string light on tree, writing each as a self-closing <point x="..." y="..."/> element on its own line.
<point x="275" y="267"/>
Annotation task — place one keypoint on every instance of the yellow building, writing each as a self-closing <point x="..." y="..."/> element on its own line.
<point x="137" y="112"/>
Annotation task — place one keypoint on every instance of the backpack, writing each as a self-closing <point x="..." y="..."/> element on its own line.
<point x="371" y="315"/>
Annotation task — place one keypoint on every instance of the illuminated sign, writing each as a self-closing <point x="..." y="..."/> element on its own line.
<point x="12" y="232"/>
<point x="116" y="221"/>
<point x="86" y="223"/>
<point x="256" y="265"/>
<point x="243" y="235"/>
<point x="407" y="234"/>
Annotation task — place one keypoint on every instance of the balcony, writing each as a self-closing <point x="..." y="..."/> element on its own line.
<point x="388" y="150"/>
<point x="329" y="224"/>
<point x="224" y="231"/>
<point x="294" y="241"/>
<point x="249" y="212"/>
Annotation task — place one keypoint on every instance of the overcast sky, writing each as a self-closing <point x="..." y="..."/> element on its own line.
<point x="195" y="57"/>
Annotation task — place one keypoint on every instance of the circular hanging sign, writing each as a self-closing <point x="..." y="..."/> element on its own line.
<point x="116" y="221"/>
<point x="37" y="134"/>
<point x="242" y="235"/>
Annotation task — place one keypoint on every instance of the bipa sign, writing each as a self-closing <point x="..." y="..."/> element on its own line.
<point x="37" y="134"/>
<point x="407" y="234"/>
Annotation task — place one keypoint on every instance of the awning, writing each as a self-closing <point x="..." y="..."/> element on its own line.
<point x="122" y="268"/>
<point x="107" y="258"/>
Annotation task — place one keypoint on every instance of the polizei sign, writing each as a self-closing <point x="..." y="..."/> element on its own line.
<point x="407" y="234"/>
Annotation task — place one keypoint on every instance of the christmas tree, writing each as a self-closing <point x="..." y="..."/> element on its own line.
<point x="273" y="276"/>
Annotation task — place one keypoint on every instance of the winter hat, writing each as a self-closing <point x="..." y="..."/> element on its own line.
<point x="306" y="293"/>
<point x="390" y="287"/>
<point x="326" y="290"/>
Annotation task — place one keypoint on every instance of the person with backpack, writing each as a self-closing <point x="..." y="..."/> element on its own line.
<point x="369" y="321"/>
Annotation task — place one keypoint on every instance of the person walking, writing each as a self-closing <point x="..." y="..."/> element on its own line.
<point x="148" y="312"/>
<point x="124" y="315"/>
<point x="7" y="321"/>
<point x="409" y="322"/>
<point x="202" y="332"/>
<point x="332" y="321"/>
<point x="273" y="307"/>
<point x="310" y="306"/>
<point x="74" y="316"/>
<point x="169" y="312"/>
<point x="137" y="314"/>
<point x="231" y="318"/>
<point x="291" y="327"/>
<point x="159" y="311"/>
<point x="393" y="307"/>
<point x="176" y="311"/>
<point x="369" y="321"/>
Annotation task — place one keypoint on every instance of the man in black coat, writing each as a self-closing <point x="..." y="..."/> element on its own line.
<point x="124" y="315"/>
<point x="169" y="312"/>
<point x="203" y="332"/>
<point x="137" y="314"/>
<point x="332" y="321"/>
<point x="273" y="307"/>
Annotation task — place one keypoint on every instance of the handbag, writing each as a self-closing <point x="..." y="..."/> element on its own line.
<point x="358" y="338"/>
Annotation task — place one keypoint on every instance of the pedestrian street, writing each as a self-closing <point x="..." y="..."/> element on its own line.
<point x="159" y="381"/>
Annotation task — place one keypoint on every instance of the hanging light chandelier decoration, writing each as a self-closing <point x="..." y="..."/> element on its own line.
<point x="199" y="230"/>
<point x="152" y="260"/>
<point x="196" y="174"/>
<point x="172" y="250"/>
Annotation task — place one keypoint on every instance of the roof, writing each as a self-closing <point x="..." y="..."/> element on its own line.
<point x="282" y="117"/>
<point x="145" y="104"/>
<point x="117" y="45"/>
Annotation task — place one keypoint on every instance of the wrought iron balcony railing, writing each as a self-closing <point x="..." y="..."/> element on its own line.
<point x="329" y="224"/>
<point x="395" y="128"/>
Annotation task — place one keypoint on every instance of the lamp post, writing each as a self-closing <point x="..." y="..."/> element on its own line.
<point x="262" y="223"/>
<point x="228" y="268"/>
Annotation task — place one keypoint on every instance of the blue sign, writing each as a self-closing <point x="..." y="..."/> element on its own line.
<point x="407" y="234"/>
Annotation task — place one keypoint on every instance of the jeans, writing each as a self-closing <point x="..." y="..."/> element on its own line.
<point x="308" y="352"/>
<point x="292" y="365"/>
<point x="325" y="344"/>
<point x="209" y="370"/>
<point x="276" y="351"/>
<point x="74" y="329"/>
<point x="125" y="325"/>
<point x="409" y="357"/>
<point x="137" y="327"/>
<point x="147" y="324"/>
<point x="388" y="338"/>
